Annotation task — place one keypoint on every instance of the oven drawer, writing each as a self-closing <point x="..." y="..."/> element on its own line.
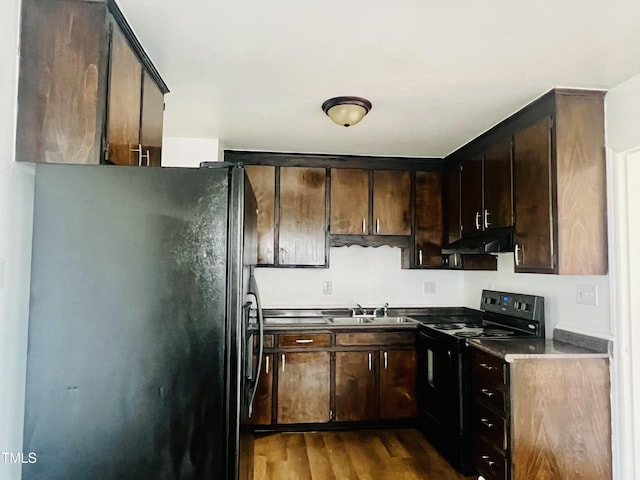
<point x="491" y="370"/>
<point x="491" y="464"/>
<point x="305" y="340"/>
<point x="490" y="425"/>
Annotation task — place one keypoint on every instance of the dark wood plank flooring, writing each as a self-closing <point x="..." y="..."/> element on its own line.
<point x="401" y="454"/>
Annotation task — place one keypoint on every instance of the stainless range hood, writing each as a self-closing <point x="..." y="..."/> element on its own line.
<point x="492" y="241"/>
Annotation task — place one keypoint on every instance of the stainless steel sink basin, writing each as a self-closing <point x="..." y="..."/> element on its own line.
<point x="350" y="320"/>
<point x="372" y="320"/>
<point x="392" y="320"/>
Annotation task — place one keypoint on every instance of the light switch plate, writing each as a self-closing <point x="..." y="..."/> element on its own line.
<point x="327" y="288"/>
<point x="429" y="288"/>
<point x="587" y="294"/>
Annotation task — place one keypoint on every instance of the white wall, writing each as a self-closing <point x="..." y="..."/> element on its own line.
<point x="559" y="292"/>
<point x="16" y="212"/>
<point x="623" y="135"/>
<point x="189" y="152"/>
<point x="368" y="276"/>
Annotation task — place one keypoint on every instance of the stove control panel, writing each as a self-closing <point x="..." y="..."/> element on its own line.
<point x="528" y="307"/>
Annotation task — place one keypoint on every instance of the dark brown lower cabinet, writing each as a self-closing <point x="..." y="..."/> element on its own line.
<point x="304" y="389"/>
<point x="355" y="388"/>
<point x="263" y="401"/>
<point x="397" y="384"/>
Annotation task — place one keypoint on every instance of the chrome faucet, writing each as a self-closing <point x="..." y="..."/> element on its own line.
<point x="384" y="308"/>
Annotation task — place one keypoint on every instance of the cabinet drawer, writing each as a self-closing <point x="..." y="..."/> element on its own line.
<point x="492" y="370"/>
<point x="489" y="462"/>
<point x="490" y="425"/>
<point x="309" y="340"/>
<point x="376" y="338"/>
<point x="483" y="393"/>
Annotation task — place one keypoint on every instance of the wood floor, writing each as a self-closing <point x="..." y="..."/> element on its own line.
<point x="401" y="454"/>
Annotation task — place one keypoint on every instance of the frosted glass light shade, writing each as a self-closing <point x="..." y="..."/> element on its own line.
<point x="346" y="111"/>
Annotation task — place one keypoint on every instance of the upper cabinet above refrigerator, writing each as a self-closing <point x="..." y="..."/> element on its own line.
<point x="88" y="93"/>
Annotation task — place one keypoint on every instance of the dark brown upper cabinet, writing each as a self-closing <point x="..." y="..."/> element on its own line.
<point x="428" y="232"/>
<point x="560" y="188"/>
<point x="84" y="87"/>
<point x="349" y="201"/>
<point x="453" y="217"/>
<point x="302" y="219"/>
<point x="370" y="202"/>
<point x="487" y="189"/>
<point x="263" y="181"/>
<point x="391" y="202"/>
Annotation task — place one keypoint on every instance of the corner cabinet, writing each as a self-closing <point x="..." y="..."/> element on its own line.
<point x="87" y="92"/>
<point x="560" y="188"/>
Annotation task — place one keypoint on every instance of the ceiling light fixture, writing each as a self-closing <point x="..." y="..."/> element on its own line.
<point x="346" y="111"/>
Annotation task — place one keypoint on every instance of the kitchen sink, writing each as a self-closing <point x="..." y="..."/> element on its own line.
<point x="392" y="320"/>
<point x="350" y="320"/>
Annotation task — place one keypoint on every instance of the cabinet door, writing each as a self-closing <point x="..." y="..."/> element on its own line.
<point x="532" y="198"/>
<point x="303" y="387"/>
<point x="263" y="401"/>
<point x="497" y="186"/>
<point x="428" y="232"/>
<point x="349" y="201"/>
<point x="302" y="236"/>
<point x="60" y="96"/>
<point x="471" y="195"/>
<point x="397" y="384"/>
<point x="355" y="386"/>
<point x="151" y="122"/>
<point x="452" y="207"/>
<point x="263" y="182"/>
<point x="391" y="202"/>
<point x="123" y="110"/>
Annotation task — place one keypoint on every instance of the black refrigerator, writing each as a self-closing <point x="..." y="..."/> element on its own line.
<point x="142" y="325"/>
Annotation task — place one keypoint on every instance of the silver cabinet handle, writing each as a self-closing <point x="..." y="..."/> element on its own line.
<point x="139" y="150"/>
<point x="266" y="364"/>
<point x="146" y="155"/>
<point x="283" y="362"/>
<point x="377" y="225"/>
<point x="419" y="257"/>
<point x="516" y="254"/>
<point x="487" y="393"/>
<point x="283" y="255"/>
<point x="486" y="423"/>
<point x="370" y="361"/>
<point x="477" y="220"/>
<point x="364" y="226"/>
<point x="304" y="340"/>
<point x="487" y="461"/>
<point x="386" y="360"/>
<point x="486" y="366"/>
<point x="487" y="223"/>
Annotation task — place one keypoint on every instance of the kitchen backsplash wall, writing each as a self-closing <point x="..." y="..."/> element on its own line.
<point x="368" y="276"/>
<point x="559" y="292"/>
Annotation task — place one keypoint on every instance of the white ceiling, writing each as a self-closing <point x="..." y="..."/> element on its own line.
<point x="254" y="73"/>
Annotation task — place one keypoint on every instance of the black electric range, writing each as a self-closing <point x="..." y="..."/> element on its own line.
<point x="443" y="382"/>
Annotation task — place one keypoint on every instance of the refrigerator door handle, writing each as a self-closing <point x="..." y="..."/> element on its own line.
<point x="253" y="290"/>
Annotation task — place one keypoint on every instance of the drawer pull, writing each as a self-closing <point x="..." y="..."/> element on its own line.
<point x="486" y="423"/>
<point x="486" y="366"/>
<point x="304" y="340"/>
<point x="487" y="461"/>
<point x="487" y="393"/>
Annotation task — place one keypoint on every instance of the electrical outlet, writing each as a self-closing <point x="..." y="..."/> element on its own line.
<point x="327" y="288"/>
<point x="587" y="294"/>
<point x="429" y="288"/>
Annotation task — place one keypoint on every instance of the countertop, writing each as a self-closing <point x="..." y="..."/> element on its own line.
<point x="521" y="348"/>
<point x="308" y="319"/>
